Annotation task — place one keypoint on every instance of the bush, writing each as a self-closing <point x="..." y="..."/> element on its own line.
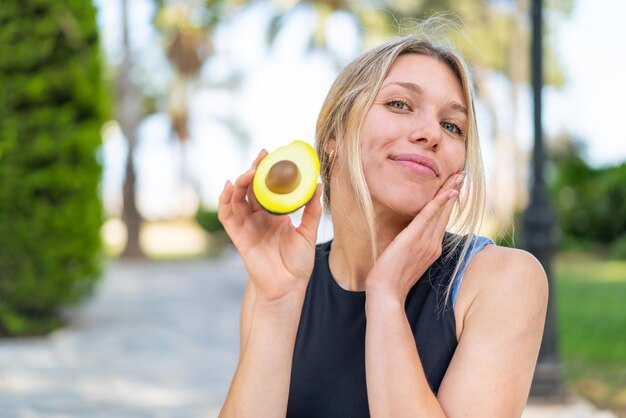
<point x="218" y="239"/>
<point x="207" y="219"/>
<point x="51" y="111"/>
<point x="590" y="202"/>
<point x="617" y="249"/>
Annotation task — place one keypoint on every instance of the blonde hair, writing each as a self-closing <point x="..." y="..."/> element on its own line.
<point x="342" y="115"/>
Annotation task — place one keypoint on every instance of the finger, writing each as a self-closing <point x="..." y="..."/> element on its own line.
<point x="311" y="217"/>
<point x="444" y="217"/>
<point x="426" y="226"/>
<point x="254" y="203"/>
<point x="224" y="208"/>
<point x="240" y="206"/>
<point x="454" y="182"/>
<point x="433" y="209"/>
<point x="426" y="221"/>
<point x="262" y="154"/>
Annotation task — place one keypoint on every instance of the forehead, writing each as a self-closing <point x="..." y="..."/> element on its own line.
<point x="427" y="72"/>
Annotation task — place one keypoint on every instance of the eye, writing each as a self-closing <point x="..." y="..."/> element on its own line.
<point x="453" y="128"/>
<point x="398" y="104"/>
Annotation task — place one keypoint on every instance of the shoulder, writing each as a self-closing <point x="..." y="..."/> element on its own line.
<point x="502" y="271"/>
<point x="501" y="278"/>
<point x="508" y="266"/>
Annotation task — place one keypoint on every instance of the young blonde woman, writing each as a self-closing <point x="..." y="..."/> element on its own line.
<point x="394" y="317"/>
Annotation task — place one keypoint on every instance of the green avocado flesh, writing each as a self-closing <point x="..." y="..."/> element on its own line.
<point x="286" y="179"/>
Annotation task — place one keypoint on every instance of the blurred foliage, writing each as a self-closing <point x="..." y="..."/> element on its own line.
<point x="590" y="202"/>
<point x="617" y="249"/>
<point x="188" y="27"/>
<point x="218" y="238"/>
<point x="510" y="234"/>
<point x="207" y="219"/>
<point x="51" y="110"/>
<point x="491" y="34"/>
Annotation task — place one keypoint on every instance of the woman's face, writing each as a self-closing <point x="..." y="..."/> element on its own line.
<point x="412" y="139"/>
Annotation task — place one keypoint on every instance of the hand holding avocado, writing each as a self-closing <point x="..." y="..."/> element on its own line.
<point x="278" y="256"/>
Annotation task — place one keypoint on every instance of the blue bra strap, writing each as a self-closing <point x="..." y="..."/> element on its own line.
<point x="477" y="244"/>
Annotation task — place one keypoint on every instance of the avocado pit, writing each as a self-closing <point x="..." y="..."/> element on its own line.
<point x="284" y="177"/>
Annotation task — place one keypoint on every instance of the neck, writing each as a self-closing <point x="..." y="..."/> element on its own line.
<point x="351" y="253"/>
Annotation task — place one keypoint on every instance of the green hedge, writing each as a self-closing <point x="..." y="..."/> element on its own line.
<point x="52" y="106"/>
<point x="207" y="219"/>
<point x="590" y="204"/>
<point x="218" y="238"/>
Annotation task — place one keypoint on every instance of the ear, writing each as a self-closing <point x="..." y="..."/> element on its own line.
<point x="330" y="146"/>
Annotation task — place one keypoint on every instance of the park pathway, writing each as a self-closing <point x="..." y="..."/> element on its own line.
<point x="158" y="339"/>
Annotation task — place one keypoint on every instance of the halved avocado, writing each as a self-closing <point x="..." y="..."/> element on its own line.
<point x="286" y="179"/>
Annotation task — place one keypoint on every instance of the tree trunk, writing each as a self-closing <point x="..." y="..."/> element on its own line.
<point x="129" y="115"/>
<point x="130" y="215"/>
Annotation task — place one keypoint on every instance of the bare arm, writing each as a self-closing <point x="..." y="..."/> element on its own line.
<point x="245" y="321"/>
<point x="491" y="371"/>
<point x="396" y="383"/>
<point x="279" y="259"/>
<point x="261" y="383"/>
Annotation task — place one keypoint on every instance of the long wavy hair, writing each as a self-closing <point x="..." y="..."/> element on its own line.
<point x="341" y="119"/>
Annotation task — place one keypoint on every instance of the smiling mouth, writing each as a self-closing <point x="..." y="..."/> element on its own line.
<point x="415" y="167"/>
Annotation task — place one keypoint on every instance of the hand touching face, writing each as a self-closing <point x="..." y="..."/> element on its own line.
<point x="413" y="139"/>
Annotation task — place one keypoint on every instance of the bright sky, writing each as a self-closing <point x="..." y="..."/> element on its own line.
<point x="282" y="92"/>
<point x="594" y="57"/>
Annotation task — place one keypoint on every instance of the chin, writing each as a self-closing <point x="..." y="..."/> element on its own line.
<point x="403" y="202"/>
<point x="409" y="212"/>
<point x="405" y="209"/>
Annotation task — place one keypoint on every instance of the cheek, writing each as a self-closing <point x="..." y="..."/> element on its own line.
<point x="454" y="163"/>
<point x="378" y="128"/>
<point x="457" y="161"/>
<point x="372" y="150"/>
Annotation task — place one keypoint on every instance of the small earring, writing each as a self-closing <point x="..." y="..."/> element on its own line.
<point x="331" y="155"/>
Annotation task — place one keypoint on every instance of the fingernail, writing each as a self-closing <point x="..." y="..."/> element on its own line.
<point x="228" y="183"/>
<point x="460" y="177"/>
<point x="452" y="194"/>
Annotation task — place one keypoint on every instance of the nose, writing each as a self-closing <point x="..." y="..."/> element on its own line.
<point x="427" y="131"/>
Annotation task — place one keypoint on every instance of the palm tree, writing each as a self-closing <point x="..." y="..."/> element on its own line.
<point x="188" y="28"/>
<point x="188" y="45"/>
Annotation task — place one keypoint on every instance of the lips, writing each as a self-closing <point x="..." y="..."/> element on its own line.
<point x="417" y="163"/>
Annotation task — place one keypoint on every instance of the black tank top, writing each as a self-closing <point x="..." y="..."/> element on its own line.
<point x="328" y="371"/>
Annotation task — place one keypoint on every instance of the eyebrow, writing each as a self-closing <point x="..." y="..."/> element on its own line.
<point x="410" y="86"/>
<point x="453" y="104"/>
<point x="456" y="106"/>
